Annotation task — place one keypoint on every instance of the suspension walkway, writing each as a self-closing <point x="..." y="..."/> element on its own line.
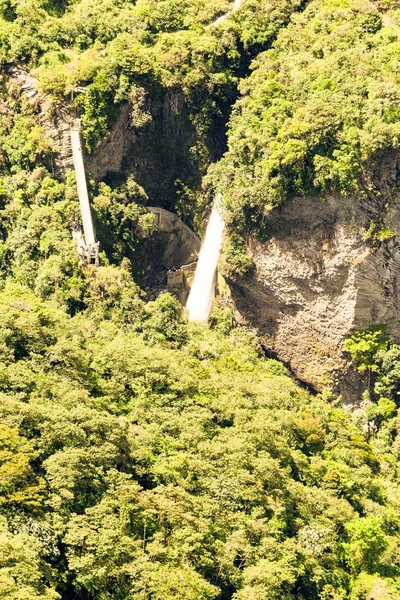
<point x="87" y="245"/>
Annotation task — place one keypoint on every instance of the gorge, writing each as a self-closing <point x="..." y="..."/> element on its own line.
<point x="245" y="447"/>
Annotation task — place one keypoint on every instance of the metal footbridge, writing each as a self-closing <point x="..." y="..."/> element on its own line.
<point x="88" y="247"/>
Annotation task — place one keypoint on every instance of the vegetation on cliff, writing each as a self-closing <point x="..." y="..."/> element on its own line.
<point x="377" y="356"/>
<point x="96" y="57"/>
<point x="318" y="109"/>
<point x="142" y="457"/>
<point x="120" y="51"/>
<point x="319" y="105"/>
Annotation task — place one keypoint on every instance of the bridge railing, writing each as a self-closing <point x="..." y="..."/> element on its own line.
<point x="91" y="253"/>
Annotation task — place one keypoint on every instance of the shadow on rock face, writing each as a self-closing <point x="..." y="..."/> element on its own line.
<point x="172" y="248"/>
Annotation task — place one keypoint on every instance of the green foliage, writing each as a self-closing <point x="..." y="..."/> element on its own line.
<point x="18" y="483"/>
<point x="372" y="351"/>
<point x="275" y="367"/>
<point x="368" y="587"/>
<point x="23" y="573"/>
<point x="142" y="456"/>
<point x="24" y="143"/>
<point x="364" y="346"/>
<point x="147" y="455"/>
<point x="97" y="109"/>
<point x="161" y="321"/>
<point x="235" y="261"/>
<point x="221" y="319"/>
<point x="317" y="108"/>
<point x="113" y="50"/>
<point x="377" y="235"/>
<point x="122" y="221"/>
<point x="366" y="544"/>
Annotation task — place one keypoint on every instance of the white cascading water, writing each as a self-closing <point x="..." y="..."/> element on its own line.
<point x="203" y="288"/>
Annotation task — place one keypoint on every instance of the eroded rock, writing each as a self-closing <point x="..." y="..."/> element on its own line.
<point x="317" y="278"/>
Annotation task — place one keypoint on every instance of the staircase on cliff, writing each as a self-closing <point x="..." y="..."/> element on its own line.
<point x="87" y="246"/>
<point x="64" y="133"/>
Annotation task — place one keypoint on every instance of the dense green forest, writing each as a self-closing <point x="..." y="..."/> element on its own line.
<point x="317" y="108"/>
<point x="141" y="456"/>
<point x="145" y="458"/>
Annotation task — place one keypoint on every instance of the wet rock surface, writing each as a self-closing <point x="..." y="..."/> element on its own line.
<point x="157" y="154"/>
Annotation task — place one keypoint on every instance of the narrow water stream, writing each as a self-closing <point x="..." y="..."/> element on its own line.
<point x="203" y="289"/>
<point x="222" y="18"/>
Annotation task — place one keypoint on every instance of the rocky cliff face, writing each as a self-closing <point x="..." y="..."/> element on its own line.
<point x="317" y="279"/>
<point x="156" y="154"/>
<point x="54" y="118"/>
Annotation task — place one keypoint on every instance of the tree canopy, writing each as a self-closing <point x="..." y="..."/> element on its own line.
<point x="142" y="457"/>
<point x="318" y="108"/>
<point x="145" y="457"/>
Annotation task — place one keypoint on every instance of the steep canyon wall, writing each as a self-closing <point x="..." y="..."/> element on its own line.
<point x="156" y="154"/>
<point x="317" y="278"/>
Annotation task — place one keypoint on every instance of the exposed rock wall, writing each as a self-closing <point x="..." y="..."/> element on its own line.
<point x="108" y="158"/>
<point x="157" y="154"/>
<point x="317" y="279"/>
<point x="55" y="119"/>
<point x="174" y="242"/>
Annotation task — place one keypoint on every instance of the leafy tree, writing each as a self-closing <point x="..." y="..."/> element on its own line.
<point x="23" y="573"/>
<point x="365" y="345"/>
<point x="19" y="485"/>
<point x="367" y="542"/>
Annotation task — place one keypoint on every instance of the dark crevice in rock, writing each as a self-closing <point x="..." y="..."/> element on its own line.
<point x="268" y="353"/>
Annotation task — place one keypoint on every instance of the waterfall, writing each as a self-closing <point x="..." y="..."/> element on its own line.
<point x="203" y="288"/>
